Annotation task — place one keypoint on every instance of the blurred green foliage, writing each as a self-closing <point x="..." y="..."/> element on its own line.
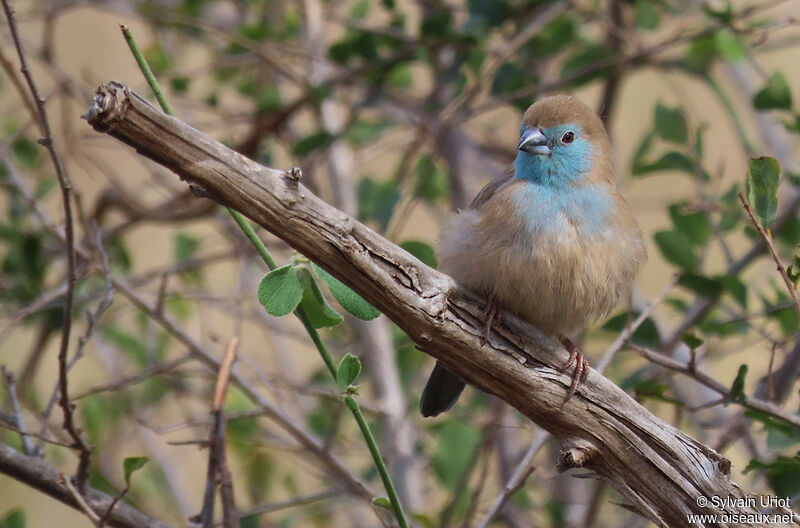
<point x="396" y="66"/>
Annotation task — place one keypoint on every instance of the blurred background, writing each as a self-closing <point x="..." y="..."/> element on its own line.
<point x="397" y="112"/>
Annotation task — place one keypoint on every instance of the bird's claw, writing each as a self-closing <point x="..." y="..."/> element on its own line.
<point x="581" y="366"/>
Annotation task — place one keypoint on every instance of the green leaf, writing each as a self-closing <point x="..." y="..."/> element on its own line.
<point x="584" y="59"/>
<point x="670" y="161"/>
<point x="129" y="343"/>
<point x="377" y="199"/>
<point x="552" y="37"/>
<point x="309" y="144"/>
<point x="646" y="335"/>
<point x="432" y="184"/>
<point x="729" y="46"/>
<point x="26" y="152"/>
<point x="678" y="304"/>
<point x="643" y="148"/>
<point x="775" y="95"/>
<point x="692" y="224"/>
<point x="401" y="77"/>
<point x="655" y="390"/>
<point x="793" y="125"/>
<point x="350" y="300"/>
<point x="509" y="77"/>
<point x="645" y="15"/>
<point x="254" y="31"/>
<point x="43" y="187"/>
<point x="763" y="177"/>
<point x="692" y="341"/>
<point x="484" y="14"/>
<point x="737" y="388"/>
<point x="132" y="464"/>
<point x="783" y="474"/>
<point x="735" y="287"/>
<point x="280" y="291"/>
<point x="793" y="271"/>
<point x="360" y="10"/>
<point x="782" y="311"/>
<point x="362" y="131"/>
<point x="678" y="249"/>
<point x="16" y="518"/>
<point x="348" y="371"/>
<point x="436" y="24"/>
<point x="670" y="124"/>
<point x="317" y="309"/>
<point x="788" y="235"/>
<point x="457" y="441"/>
<point x="180" y="84"/>
<point x="703" y="286"/>
<point x="157" y="58"/>
<point x="702" y="51"/>
<point x="382" y="502"/>
<point x="721" y="11"/>
<point x="185" y="246"/>
<point x="101" y="413"/>
<point x="789" y="433"/>
<point x="268" y="99"/>
<point x="422" y="251"/>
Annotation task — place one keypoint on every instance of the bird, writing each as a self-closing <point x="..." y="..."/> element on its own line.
<point x="554" y="242"/>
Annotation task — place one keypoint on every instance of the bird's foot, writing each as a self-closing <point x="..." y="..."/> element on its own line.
<point x="491" y="313"/>
<point x="581" y="366"/>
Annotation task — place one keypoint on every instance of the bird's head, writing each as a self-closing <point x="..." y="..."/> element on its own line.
<point x="562" y="142"/>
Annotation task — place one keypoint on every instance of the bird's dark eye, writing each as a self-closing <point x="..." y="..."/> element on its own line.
<point x="569" y="137"/>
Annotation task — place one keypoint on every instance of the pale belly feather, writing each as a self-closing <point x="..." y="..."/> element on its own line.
<point x="560" y="281"/>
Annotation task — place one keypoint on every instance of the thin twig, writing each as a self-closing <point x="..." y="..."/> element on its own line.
<point x="772" y="251"/>
<point x="127" y="381"/>
<point x="303" y="437"/>
<point x="42" y="438"/>
<point x="613" y="81"/>
<point x="84" y="506"/>
<point x="518" y="478"/>
<point x="229" y="515"/>
<point x="66" y="196"/>
<point x="626" y="334"/>
<point x="751" y="403"/>
<point x="702" y="306"/>
<point x="297" y="501"/>
<point x="27" y="446"/>
<point x="218" y="472"/>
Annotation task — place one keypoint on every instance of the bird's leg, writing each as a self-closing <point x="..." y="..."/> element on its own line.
<point x="491" y="312"/>
<point x="581" y="366"/>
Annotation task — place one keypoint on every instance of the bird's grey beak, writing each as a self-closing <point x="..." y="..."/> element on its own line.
<point x="533" y="141"/>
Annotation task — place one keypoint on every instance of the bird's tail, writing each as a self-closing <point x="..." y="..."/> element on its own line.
<point x="441" y="391"/>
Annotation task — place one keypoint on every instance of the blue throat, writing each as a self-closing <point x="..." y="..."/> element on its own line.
<point x="554" y="192"/>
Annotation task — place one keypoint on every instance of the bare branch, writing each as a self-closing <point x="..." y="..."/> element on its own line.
<point x="518" y="478"/>
<point x="40" y="475"/>
<point x="66" y="198"/>
<point x="656" y="467"/>
<point x="773" y="252"/>
<point x="11" y="386"/>
<point x="687" y="369"/>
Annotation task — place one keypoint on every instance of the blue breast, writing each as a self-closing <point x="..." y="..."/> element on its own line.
<point x="555" y="193"/>
<point x="544" y="208"/>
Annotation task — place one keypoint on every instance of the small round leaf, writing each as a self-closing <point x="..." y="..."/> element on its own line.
<point x="280" y="291"/>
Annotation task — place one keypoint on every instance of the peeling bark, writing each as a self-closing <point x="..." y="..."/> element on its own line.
<point x="660" y="470"/>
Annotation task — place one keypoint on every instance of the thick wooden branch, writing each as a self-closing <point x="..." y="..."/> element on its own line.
<point x="660" y="470"/>
<point x="40" y="475"/>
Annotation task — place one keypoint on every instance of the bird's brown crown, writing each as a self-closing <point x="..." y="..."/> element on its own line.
<point x="562" y="109"/>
